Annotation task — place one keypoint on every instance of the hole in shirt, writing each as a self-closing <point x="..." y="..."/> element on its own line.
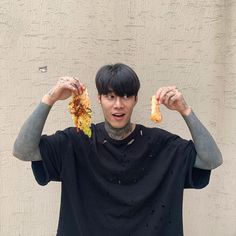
<point x="152" y="212"/>
<point x="130" y="142"/>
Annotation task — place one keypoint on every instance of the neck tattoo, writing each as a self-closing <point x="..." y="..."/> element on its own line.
<point x="119" y="133"/>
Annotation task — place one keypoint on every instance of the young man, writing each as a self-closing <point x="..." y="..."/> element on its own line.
<point x="126" y="179"/>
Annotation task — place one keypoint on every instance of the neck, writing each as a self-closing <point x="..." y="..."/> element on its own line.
<point x="119" y="133"/>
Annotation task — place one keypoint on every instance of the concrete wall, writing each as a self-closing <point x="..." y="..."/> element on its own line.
<point x="184" y="42"/>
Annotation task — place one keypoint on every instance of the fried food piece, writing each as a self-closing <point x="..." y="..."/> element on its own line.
<point x="79" y="108"/>
<point x="155" y="110"/>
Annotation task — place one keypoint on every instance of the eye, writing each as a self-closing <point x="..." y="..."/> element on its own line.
<point x="110" y="96"/>
<point x="125" y="97"/>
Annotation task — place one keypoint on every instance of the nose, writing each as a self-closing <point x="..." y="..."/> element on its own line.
<point x="118" y="102"/>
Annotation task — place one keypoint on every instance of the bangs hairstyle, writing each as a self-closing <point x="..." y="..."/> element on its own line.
<point x="119" y="79"/>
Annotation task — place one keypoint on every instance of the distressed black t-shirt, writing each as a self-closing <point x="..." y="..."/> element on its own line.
<point x="131" y="187"/>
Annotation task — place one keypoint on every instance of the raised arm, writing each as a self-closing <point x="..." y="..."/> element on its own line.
<point x="26" y="146"/>
<point x="208" y="153"/>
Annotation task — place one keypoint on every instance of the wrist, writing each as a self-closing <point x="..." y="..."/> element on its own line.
<point x="48" y="100"/>
<point x="186" y="111"/>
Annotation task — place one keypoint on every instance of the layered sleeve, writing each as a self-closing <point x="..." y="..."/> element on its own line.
<point x="182" y="156"/>
<point x="194" y="178"/>
<point x="54" y="149"/>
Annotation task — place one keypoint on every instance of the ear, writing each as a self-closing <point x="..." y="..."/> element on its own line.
<point x="99" y="98"/>
<point x="136" y="99"/>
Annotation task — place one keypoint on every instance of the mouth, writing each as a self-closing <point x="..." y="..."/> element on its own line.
<point x="118" y="116"/>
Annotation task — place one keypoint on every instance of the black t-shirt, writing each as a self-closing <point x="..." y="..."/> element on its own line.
<point x="131" y="187"/>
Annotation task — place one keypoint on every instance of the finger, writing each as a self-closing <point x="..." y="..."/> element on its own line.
<point x="63" y="81"/>
<point x="79" y="85"/>
<point x="81" y="88"/>
<point x="76" y="90"/>
<point x="164" y="92"/>
<point x="160" y="93"/>
<point x="72" y="81"/>
<point x="76" y="81"/>
<point x="168" y="96"/>
<point x="70" y="87"/>
<point x="173" y="99"/>
<point x="65" y="78"/>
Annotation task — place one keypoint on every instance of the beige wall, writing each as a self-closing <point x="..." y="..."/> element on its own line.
<point x="191" y="44"/>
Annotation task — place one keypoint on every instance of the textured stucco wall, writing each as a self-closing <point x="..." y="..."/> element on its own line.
<point x="187" y="43"/>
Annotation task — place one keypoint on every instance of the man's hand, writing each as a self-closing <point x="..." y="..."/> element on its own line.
<point x="63" y="89"/>
<point x="173" y="99"/>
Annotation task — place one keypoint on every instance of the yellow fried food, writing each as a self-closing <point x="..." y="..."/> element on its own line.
<point x="79" y="108"/>
<point x="155" y="110"/>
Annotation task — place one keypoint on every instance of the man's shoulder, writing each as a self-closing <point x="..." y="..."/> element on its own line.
<point x="157" y="134"/>
<point x="154" y="130"/>
<point x="73" y="132"/>
<point x="99" y="125"/>
<point x="64" y="134"/>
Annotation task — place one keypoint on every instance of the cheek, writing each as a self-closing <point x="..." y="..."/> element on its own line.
<point x="131" y="107"/>
<point x="131" y="110"/>
<point x="105" y="108"/>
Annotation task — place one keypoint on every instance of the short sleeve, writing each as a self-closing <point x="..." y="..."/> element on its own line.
<point x="53" y="150"/>
<point x="195" y="177"/>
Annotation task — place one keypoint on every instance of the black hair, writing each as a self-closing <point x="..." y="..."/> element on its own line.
<point x="118" y="78"/>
